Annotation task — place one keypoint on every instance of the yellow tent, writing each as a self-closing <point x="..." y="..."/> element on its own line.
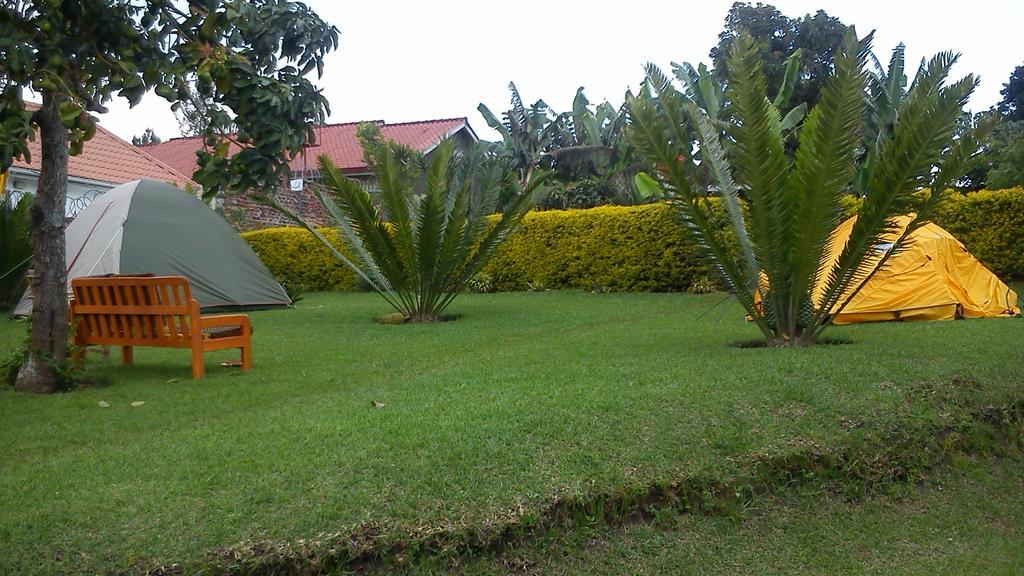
<point x="934" y="278"/>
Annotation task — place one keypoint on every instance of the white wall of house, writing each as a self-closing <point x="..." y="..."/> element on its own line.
<point x="81" y="192"/>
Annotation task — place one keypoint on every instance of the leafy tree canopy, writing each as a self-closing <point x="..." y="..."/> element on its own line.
<point x="147" y="137"/>
<point x="816" y="36"/>
<point x="1004" y="156"/>
<point x="1012" y="104"/>
<point x="247" y="61"/>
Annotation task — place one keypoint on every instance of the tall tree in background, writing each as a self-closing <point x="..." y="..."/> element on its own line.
<point x="1001" y="161"/>
<point x="772" y="30"/>
<point x="147" y="137"/>
<point x="1012" y="104"/>
<point x="817" y="37"/>
<point x="248" y="59"/>
<point x="528" y="134"/>
<point x="1004" y="156"/>
<point x="585" y="149"/>
<point x="198" y="115"/>
<point x="593" y="161"/>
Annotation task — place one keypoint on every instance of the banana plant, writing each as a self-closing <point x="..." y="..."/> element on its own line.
<point x="773" y="253"/>
<point x="702" y="88"/>
<point x="15" y="246"/>
<point x="592" y="147"/>
<point x="527" y="133"/>
<point x="427" y="231"/>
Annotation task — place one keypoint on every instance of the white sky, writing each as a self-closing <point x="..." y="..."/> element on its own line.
<point x="411" y="60"/>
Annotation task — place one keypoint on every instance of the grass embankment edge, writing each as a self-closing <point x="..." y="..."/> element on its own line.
<point x="869" y="457"/>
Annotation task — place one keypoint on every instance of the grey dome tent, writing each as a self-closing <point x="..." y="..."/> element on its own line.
<point x="147" y="226"/>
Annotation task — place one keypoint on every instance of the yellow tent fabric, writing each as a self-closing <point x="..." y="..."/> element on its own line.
<point x="934" y="278"/>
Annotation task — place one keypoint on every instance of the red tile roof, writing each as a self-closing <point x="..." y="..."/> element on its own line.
<point x="338" y="141"/>
<point x="107" y="158"/>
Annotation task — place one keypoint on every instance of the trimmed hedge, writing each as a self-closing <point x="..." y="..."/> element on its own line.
<point x="299" y="260"/>
<point x="990" y="223"/>
<point x="620" y="248"/>
<point x="632" y="248"/>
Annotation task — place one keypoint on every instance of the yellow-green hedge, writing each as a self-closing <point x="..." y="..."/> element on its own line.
<point x="632" y="248"/>
<point x="298" y="259"/>
<point x="990" y="223"/>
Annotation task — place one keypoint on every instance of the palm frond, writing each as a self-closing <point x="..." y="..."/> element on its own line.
<point x="743" y="276"/>
<point x="823" y="168"/>
<point x="903" y="165"/>
<point x="761" y="166"/>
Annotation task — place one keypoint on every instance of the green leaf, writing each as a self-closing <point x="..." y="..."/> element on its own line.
<point x="794" y="117"/>
<point x="789" y="78"/>
<point x="648" y="187"/>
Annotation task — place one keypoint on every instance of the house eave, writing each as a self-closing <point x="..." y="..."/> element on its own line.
<point x="25" y="172"/>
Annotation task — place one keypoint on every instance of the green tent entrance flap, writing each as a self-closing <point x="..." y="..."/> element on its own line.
<point x="146" y="226"/>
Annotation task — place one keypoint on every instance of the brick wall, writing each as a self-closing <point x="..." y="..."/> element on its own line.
<point x="244" y="214"/>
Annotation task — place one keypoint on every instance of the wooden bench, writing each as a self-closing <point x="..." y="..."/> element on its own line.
<point x="130" y="311"/>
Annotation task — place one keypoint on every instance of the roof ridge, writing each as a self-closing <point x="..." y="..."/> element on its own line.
<point x="146" y="155"/>
<point x="149" y="144"/>
<point x="435" y="120"/>
<point x="382" y="123"/>
<point x="350" y="123"/>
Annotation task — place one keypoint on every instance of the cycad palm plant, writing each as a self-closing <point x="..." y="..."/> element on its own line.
<point x="429" y="229"/>
<point x="773" y="253"/>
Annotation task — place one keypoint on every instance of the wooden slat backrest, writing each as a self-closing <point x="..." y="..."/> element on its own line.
<point x="156" y="308"/>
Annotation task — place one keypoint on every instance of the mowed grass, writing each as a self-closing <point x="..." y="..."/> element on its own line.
<point x="967" y="521"/>
<point x="526" y="398"/>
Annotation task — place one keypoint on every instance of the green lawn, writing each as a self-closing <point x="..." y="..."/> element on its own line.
<point x="966" y="522"/>
<point x="528" y="398"/>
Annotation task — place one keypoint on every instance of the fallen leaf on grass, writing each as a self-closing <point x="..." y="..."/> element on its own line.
<point x="377" y="404"/>
<point x="138" y="403"/>
<point x="171" y="381"/>
<point x="104" y="404"/>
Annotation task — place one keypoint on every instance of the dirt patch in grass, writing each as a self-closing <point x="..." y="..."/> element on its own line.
<point x="763" y="344"/>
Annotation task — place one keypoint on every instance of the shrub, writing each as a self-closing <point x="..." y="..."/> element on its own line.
<point x="990" y="223"/>
<point x="635" y="248"/>
<point x="299" y="260"/>
<point x="640" y="249"/>
<point x="431" y="225"/>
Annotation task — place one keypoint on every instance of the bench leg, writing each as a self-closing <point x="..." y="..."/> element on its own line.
<point x="246" y="356"/>
<point x="198" y="369"/>
<point x="127" y="354"/>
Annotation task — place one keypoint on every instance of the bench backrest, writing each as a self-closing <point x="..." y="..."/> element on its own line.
<point x="144" y="309"/>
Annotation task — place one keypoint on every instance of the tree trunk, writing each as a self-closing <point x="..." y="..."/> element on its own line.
<point x="48" y="339"/>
